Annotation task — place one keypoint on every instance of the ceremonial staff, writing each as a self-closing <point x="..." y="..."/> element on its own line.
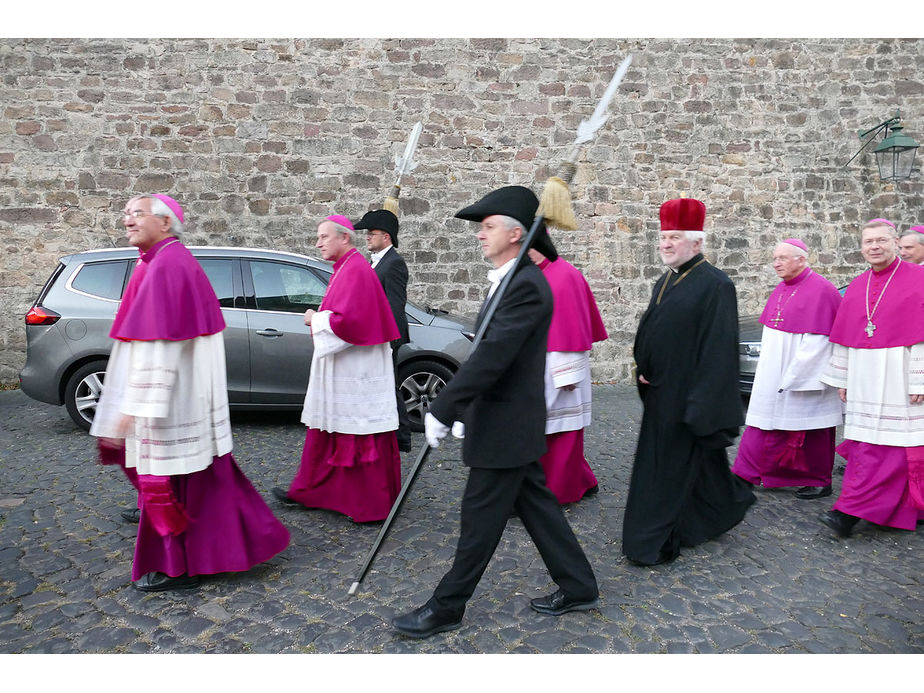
<point x="403" y="164"/>
<point x="555" y="210"/>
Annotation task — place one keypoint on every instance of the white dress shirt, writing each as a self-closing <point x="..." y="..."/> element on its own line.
<point x="375" y="257"/>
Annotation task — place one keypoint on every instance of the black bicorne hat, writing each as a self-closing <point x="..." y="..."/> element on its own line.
<point x="517" y="202"/>
<point x="383" y="220"/>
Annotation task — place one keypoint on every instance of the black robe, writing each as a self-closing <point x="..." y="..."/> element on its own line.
<point x="682" y="492"/>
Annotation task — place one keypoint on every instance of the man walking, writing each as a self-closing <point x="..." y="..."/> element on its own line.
<point x="792" y="416"/>
<point x="911" y="245"/>
<point x="350" y="461"/>
<point x="681" y="492"/>
<point x="576" y="325"/>
<point x="498" y="395"/>
<point x="163" y="416"/>
<point x="877" y="364"/>
<point x="382" y="242"/>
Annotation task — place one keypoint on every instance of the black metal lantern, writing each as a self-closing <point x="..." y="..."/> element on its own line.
<point x="895" y="153"/>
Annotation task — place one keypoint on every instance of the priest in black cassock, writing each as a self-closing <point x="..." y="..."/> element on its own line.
<point x="682" y="492"/>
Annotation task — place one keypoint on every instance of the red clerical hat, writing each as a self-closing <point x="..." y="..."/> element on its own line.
<point x="683" y="214"/>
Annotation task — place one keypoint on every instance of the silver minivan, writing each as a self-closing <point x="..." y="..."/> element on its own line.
<point x="263" y="295"/>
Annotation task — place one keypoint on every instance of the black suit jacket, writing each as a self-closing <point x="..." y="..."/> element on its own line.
<point x="499" y="392"/>
<point x="392" y="272"/>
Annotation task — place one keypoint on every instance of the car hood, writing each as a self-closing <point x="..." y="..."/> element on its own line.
<point x="452" y="322"/>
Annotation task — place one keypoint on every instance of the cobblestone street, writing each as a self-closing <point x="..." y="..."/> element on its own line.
<point x="780" y="582"/>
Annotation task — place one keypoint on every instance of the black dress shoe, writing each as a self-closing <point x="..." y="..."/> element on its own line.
<point x="592" y="491"/>
<point x="282" y="496"/>
<point x="160" y="582"/>
<point x="665" y="555"/>
<point x="557" y="604"/>
<point x="813" y="492"/>
<point x="131" y="515"/>
<point x="842" y="523"/>
<point x="422" y="623"/>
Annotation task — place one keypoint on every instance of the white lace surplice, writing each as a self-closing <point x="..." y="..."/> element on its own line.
<point x="567" y="410"/>
<point x="793" y="363"/>
<point x="177" y="394"/>
<point x="879" y="383"/>
<point x="351" y="388"/>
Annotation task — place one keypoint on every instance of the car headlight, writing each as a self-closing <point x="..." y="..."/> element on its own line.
<point x="749" y="349"/>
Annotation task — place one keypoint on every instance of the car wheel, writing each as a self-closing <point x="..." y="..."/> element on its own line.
<point x="82" y="392"/>
<point x="420" y="382"/>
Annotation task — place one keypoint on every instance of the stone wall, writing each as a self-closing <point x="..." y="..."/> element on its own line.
<point x="259" y="139"/>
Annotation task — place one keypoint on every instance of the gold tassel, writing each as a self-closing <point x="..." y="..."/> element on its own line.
<point x="391" y="204"/>
<point x="555" y="205"/>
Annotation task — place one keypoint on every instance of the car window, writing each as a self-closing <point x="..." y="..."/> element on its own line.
<point x="102" y="279"/>
<point x="219" y="272"/>
<point x="284" y="287"/>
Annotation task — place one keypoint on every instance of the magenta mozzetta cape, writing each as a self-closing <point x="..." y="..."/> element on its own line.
<point x="811" y="309"/>
<point x="168" y="297"/>
<point x="360" y="313"/>
<point x="576" y="321"/>
<point x="899" y="318"/>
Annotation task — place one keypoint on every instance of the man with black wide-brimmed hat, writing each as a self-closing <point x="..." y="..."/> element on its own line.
<point x="498" y="393"/>
<point x="382" y="242"/>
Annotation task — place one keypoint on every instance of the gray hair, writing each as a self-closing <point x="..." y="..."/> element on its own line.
<point x="510" y="224"/>
<point x="877" y="223"/>
<point x="916" y="235"/>
<point x="342" y="230"/>
<point x="794" y="250"/>
<point x="696" y="236"/>
<point x="159" y="209"/>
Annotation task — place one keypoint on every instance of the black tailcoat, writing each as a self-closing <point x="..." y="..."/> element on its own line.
<point x="391" y="270"/>
<point x="499" y="391"/>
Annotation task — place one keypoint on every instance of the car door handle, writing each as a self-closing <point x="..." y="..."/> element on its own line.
<point x="270" y="333"/>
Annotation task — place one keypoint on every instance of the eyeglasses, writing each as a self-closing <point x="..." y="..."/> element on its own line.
<point x="136" y="214"/>
<point x="876" y="241"/>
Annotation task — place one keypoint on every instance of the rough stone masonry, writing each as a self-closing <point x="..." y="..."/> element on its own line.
<point x="260" y="138"/>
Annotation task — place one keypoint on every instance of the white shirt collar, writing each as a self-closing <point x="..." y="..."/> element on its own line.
<point x="379" y="255"/>
<point x="496" y="275"/>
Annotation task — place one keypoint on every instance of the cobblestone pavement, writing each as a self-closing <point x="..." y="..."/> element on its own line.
<point x="780" y="582"/>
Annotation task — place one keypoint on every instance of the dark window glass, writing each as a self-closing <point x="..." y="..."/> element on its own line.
<point x="287" y="288"/>
<point x="219" y="273"/>
<point x="103" y="279"/>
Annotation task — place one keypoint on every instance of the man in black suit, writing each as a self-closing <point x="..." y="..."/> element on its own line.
<point x="382" y="242"/>
<point x="498" y="393"/>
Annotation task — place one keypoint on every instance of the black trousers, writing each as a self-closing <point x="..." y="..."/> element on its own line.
<point x="490" y="495"/>
<point x="403" y="433"/>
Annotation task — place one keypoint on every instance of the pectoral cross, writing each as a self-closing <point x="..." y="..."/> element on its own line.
<point x="777" y="320"/>
<point x="869" y="328"/>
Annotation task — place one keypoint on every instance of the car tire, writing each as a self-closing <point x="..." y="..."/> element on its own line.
<point x="82" y="392"/>
<point x="420" y="382"/>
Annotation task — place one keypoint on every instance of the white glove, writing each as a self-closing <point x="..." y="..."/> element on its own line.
<point x="434" y="430"/>
<point x="458" y="430"/>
